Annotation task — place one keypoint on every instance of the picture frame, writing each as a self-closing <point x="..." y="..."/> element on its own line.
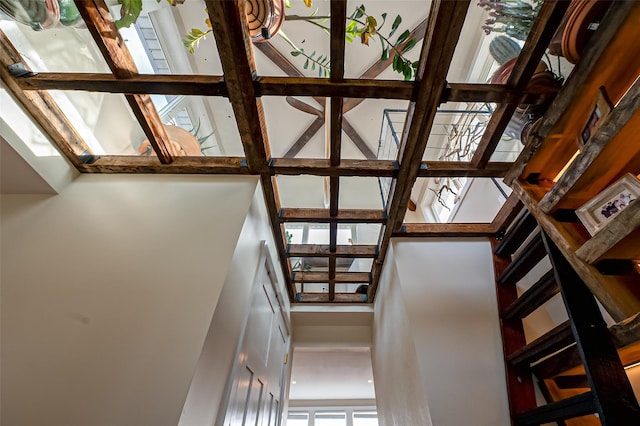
<point x="599" y="109"/>
<point x="598" y="211"/>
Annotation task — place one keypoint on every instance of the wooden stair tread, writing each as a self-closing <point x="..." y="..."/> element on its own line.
<point x="522" y="264"/>
<point x="556" y="339"/>
<point x="575" y="406"/>
<point x="543" y="290"/>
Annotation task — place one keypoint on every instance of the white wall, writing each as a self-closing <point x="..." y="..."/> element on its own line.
<point x="400" y="392"/>
<point x="447" y="290"/>
<point x="481" y="202"/>
<point x="108" y="290"/>
<point x="208" y="392"/>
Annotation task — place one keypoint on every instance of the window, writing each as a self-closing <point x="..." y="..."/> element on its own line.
<point x="333" y="416"/>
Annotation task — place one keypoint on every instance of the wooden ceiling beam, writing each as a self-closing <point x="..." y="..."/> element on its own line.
<point x="115" y="52"/>
<point x="539" y="37"/>
<point x="324" y="298"/>
<point x="457" y="169"/>
<point x="443" y="30"/>
<point x="322" y="167"/>
<point x="236" y="55"/>
<point x="324" y="215"/>
<point x="42" y="109"/>
<point x="321" y="88"/>
<point x="322" y="250"/>
<point x="151" y="165"/>
<point x="446" y="230"/>
<point x="323" y="277"/>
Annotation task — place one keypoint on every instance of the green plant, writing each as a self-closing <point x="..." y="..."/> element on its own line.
<point x="201" y="139"/>
<point x="512" y="17"/>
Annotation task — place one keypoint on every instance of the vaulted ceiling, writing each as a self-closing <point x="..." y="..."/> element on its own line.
<point x="294" y="125"/>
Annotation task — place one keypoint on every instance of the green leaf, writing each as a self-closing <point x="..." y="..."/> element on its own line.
<point x="287" y="4"/>
<point x="313" y="66"/>
<point x="385" y="55"/>
<point x="403" y="37"/>
<point x="359" y="11"/>
<point x="130" y="11"/>
<point x="351" y="28"/>
<point x="409" y="45"/>
<point x="313" y="54"/>
<point x="384" y="19"/>
<point x="407" y="70"/>
<point x="396" y="62"/>
<point x="306" y="64"/>
<point x="395" y="25"/>
<point x="295" y="53"/>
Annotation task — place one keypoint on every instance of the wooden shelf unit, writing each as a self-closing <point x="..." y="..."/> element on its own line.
<point x="612" y="63"/>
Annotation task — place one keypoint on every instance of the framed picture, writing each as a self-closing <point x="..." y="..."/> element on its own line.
<point x="599" y="109"/>
<point x="596" y="213"/>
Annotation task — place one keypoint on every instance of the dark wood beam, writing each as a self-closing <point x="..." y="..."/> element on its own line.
<point x="236" y="55"/>
<point x="320" y="88"/>
<point x="181" y="165"/>
<point x="323" y="250"/>
<point x="238" y="64"/>
<point x="322" y="167"/>
<point x="539" y="37"/>
<point x="443" y="30"/>
<point x="324" y="215"/>
<point x="116" y="54"/>
<point x="332" y="278"/>
<point x="305" y="137"/>
<point x="323" y="277"/>
<point x="324" y="298"/>
<point x="448" y="230"/>
<point x="42" y="109"/>
<point x="334" y="195"/>
<point x="159" y="84"/>
<point x="457" y="169"/>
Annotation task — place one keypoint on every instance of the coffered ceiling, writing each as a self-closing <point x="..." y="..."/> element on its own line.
<point x="334" y="198"/>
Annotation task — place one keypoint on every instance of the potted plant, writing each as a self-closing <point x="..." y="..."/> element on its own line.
<point x="515" y="18"/>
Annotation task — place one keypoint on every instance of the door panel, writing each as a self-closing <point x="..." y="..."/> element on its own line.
<point x="256" y="384"/>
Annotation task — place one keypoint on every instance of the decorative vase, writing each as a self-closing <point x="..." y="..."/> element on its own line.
<point x="264" y="18"/>
<point x="578" y="25"/>
<point x="184" y="142"/>
<point x="38" y="14"/>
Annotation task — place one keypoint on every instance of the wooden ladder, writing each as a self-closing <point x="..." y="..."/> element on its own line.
<point x="611" y="396"/>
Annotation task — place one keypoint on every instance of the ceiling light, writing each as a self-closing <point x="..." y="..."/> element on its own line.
<point x="369" y="381"/>
<point x="293" y="382"/>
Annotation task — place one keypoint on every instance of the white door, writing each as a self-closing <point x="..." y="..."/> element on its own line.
<point x="255" y="398"/>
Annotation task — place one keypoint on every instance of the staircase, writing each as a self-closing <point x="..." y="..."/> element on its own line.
<point x="610" y="396"/>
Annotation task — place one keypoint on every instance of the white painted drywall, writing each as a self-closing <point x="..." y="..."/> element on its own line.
<point x="447" y="292"/>
<point x="400" y="393"/>
<point x="108" y="290"/>
<point x="207" y="395"/>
